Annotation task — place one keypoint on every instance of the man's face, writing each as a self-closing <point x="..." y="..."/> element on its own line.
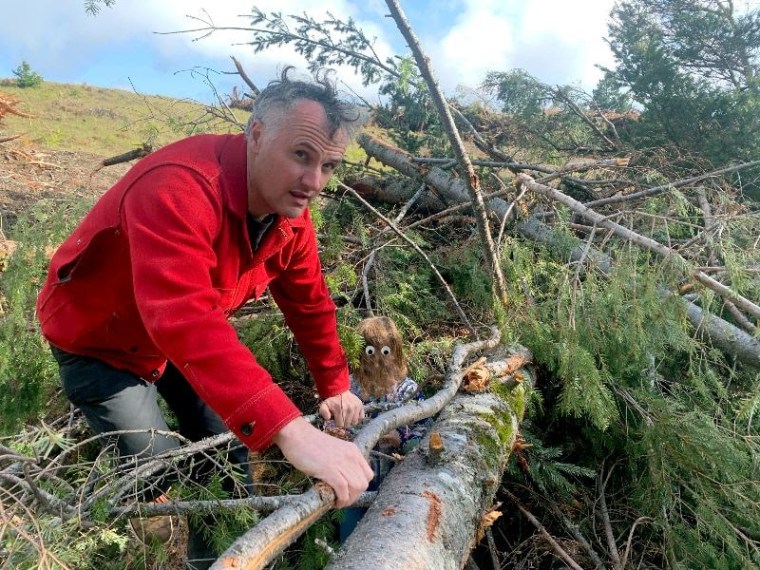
<point x="289" y="162"/>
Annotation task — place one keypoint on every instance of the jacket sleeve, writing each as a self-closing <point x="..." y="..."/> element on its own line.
<point x="171" y="224"/>
<point x="304" y="299"/>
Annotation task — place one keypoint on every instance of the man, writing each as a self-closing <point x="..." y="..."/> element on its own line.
<point x="137" y="298"/>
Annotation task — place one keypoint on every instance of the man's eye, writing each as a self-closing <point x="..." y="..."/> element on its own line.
<point x="300" y="154"/>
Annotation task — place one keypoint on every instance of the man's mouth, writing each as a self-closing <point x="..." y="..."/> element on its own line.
<point x="300" y="196"/>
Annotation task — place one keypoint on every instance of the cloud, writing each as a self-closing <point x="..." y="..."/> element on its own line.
<point x="555" y="40"/>
<point x="61" y="41"/>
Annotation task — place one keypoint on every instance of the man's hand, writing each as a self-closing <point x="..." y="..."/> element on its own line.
<point x="336" y="462"/>
<point x="345" y="409"/>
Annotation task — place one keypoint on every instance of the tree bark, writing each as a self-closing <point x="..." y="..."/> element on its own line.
<point x="263" y="542"/>
<point x="428" y="511"/>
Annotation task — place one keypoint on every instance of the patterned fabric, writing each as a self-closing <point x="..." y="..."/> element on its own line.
<point x="403" y="391"/>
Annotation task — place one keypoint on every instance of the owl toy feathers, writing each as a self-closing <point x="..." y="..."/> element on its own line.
<point x="381" y="362"/>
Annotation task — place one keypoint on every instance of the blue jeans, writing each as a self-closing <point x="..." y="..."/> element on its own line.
<point x="115" y="400"/>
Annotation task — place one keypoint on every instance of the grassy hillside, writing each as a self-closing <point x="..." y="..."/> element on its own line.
<point x="104" y="121"/>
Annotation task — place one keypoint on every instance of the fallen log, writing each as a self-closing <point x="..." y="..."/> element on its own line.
<point x="725" y="336"/>
<point x="261" y="544"/>
<point x="431" y="509"/>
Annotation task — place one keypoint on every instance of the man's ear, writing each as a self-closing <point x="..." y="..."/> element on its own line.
<point x="254" y="135"/>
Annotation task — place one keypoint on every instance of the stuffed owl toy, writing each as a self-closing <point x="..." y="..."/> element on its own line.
<point x="381" y="364"/>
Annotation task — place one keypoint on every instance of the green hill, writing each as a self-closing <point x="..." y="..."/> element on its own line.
<point x="102" y="121"/>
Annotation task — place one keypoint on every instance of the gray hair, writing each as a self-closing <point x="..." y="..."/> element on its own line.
<point x="271" y="105"/>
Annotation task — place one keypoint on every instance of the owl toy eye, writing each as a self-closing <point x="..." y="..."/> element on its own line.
<point x="385" y="351"/>
<point x="369" y="350"/>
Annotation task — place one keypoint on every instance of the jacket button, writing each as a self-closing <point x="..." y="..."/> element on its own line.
<point x="154" y="374"/>
<point x="247" y="429"/>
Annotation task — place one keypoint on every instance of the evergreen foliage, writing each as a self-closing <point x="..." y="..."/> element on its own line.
<point x="692" y="67"/>
<point x="635" y="407"/>
<point x="25" y="77"/>
<point x="28" y="375"/>
<point x="545" y="122"/>
<point x="93" y="7"/>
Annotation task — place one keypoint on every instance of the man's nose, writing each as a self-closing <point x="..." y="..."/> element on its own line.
<point x="312" y="179"/>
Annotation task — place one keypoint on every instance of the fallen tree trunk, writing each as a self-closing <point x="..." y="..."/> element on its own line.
<point x="429" y="511"/>
<point x="259" y="546"/>
<point x="723" y="335"/>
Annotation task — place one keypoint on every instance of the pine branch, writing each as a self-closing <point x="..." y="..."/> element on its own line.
<point x="416" y="248"/>
<point x="720" y="333"/>
<point x="642" y="241"/>
<point x="671" y="185"/>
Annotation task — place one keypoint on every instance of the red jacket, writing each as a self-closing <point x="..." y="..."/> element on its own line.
<point x="156" y="267"/>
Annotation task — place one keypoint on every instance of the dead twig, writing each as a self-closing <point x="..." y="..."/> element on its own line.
<point x="629" y="542"/>
<point x="244" y="76"/>
<point x="605" y="517"/>
<point x="371" y="258"/>
<point x="561" y="552"/>
<point x="416" y="248"/>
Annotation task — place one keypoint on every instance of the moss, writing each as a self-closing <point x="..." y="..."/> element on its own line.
<point x="495" y="447"/>
<point x="515" y="396"/>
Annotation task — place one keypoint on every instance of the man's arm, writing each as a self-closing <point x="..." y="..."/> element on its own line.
<point x="334" y="461"/>
<point x="172" y="217"/>
<point x="302" y="295"/>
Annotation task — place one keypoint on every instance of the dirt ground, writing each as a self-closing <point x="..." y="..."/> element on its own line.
<point x="29" y="173"/>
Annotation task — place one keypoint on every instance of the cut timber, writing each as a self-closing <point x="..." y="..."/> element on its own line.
<point x="427" y="514"/>
<point x="262" y="543"/>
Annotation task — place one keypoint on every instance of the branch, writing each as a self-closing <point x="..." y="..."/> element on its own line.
<point x="266" y="540"/>
<point x="627" y="551"/>
<point x="447" y="121"/>
<point x="605" y="516"/>
<point x="432" y="509"/>
<point x="244" y="76"/>
<point x="535" y="522"/>
<point x="638" y="239"/>
<point x="416" y="248"/>
<point x="720" y="333"/>
<point x="371" y="258"/>
<point x="257" y="503"/>
<point x="560" y="94"/>
<point x="665" y="187"/>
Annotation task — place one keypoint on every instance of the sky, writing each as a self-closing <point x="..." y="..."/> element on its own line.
<point x="130" y="45"/>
